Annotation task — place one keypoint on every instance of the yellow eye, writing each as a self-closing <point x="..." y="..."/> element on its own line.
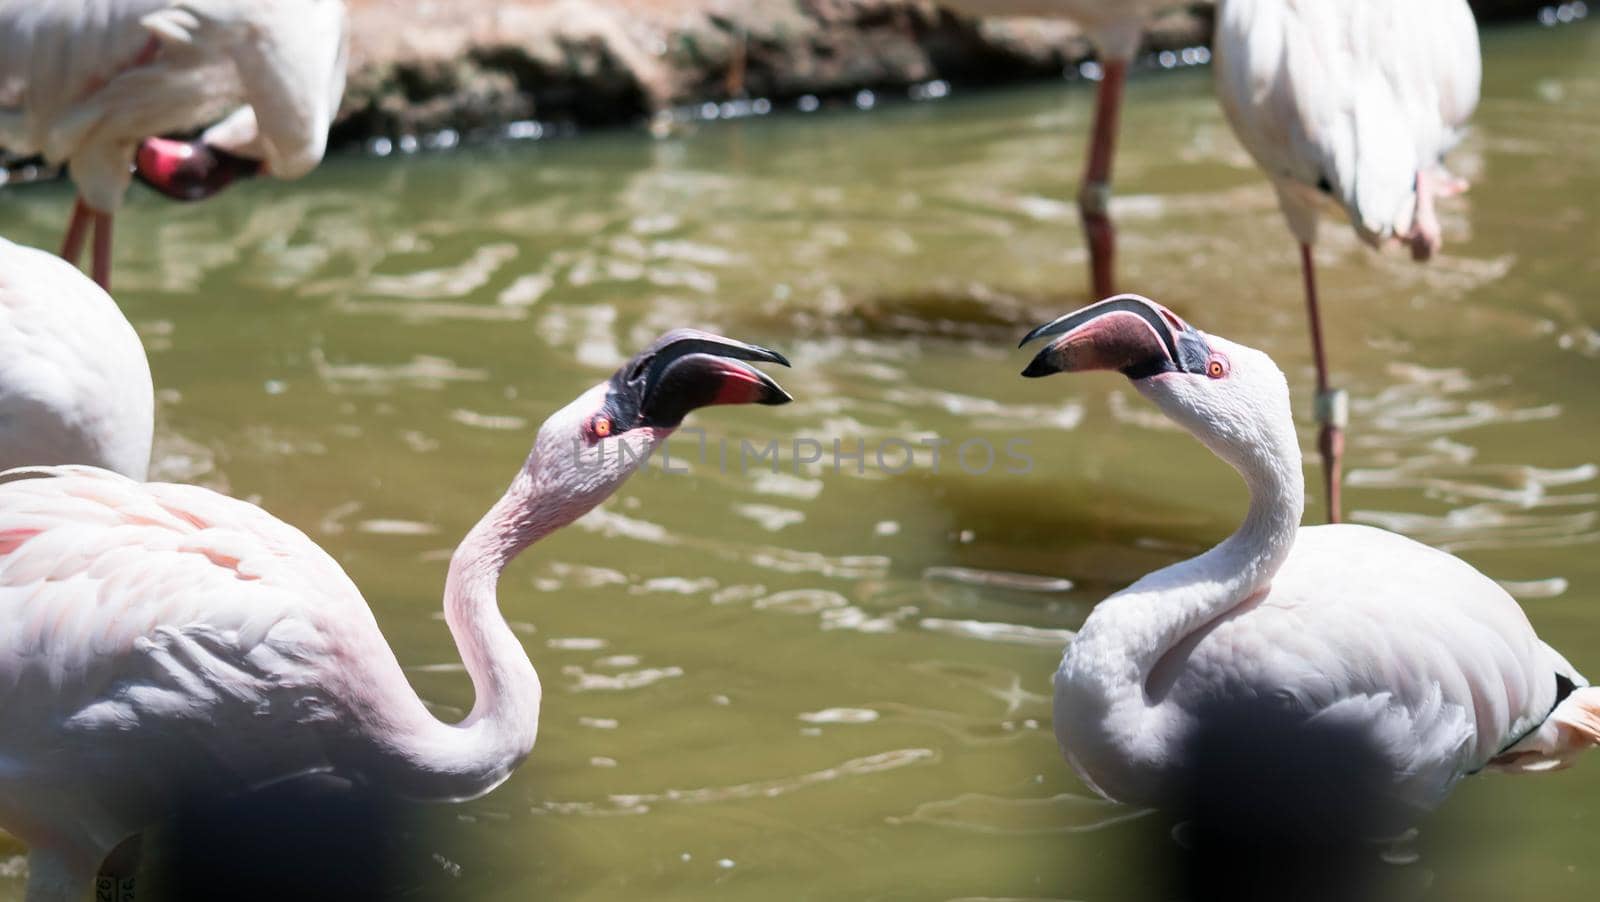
<point x="602" y="426"/>
<point x="1216" y="369"/>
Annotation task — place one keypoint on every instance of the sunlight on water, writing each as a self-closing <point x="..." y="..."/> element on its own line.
<point x="788" y="676"/>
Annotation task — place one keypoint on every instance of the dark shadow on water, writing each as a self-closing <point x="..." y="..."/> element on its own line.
<point x="1268" y="806"/>
<point x="990" y="317"/>
<point x="1277" y="808"/>
<point x="315" y="838"/>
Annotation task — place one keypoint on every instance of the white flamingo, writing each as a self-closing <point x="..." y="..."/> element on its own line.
<point x="1349" y="105"/>
<point x="1342" y="624"/>
<point x="89" y="82"/>
<point x="158" y="639"/>
<point x="74" y="382"/>
<point x="1116" y="28"/>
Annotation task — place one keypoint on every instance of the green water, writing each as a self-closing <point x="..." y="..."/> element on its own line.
<point x="832" y="685"/>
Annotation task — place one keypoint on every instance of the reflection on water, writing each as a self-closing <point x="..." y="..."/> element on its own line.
<point x="806" y="679"/>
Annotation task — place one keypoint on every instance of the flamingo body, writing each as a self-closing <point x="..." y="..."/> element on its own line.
<point x="85" y="82"/>
<point x="162" y="640"/>
<point x="168" y="624"/>
<point x="1349" y="105"/>
<point x="1424" y="658"/>
<point x="1358" y="625"/>
<point x="74" y="382"/>
<point x="1343" y="102"/>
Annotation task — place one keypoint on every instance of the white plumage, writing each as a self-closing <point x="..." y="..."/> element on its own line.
<point x="74" y="382"/>
<point x="1344" y="102"/>
<point x="159" y="640"/>
<point x="1349" y="106"/>
<point x="1426" y="657"/>
<point x="84" y="82"/>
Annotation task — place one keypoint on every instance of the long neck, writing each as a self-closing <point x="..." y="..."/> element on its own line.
<point x="450" y="762"/>
<point x="1143" y="624"/>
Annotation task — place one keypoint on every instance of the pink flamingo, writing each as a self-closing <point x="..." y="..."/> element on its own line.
<point x="1341" y="625"/>
<point x="74" y="382"/>
<point x="161" y="639"/>
<point x="1350" y="106"/>
<point x="88" y="83"/>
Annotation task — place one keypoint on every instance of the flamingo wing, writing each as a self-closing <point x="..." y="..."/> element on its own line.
<point x="1347" y="101"/>
<point x="139" y="608"/>
<point x="1435" y="660"/>
<point x="74" y="382"/>
<point x="290" y="60"/>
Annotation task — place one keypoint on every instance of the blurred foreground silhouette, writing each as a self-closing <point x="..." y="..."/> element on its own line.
<point x="311" y="838"/>
<point x="1269" y="806"/>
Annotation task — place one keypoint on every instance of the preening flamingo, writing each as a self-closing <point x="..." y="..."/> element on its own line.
<point x="74" y="382"/>
<point x="1341" y="624"/>
<point x="1115" y="27"/>
<point x="1349" y="105"/>
<point x="162" y="639"/>
<point x="89" y="82"/>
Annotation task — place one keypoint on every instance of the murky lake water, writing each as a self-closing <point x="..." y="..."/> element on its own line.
<point x="836" y="685"/>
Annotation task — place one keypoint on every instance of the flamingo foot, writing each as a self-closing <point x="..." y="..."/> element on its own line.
<point x="1426" y="234"/>
<point x="1447" y="183"/>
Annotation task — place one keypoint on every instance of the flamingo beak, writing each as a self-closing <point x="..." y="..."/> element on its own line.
<point x="1127" y="333"/>
<point x="189" y="170"/>
<point x="687" y="369"/>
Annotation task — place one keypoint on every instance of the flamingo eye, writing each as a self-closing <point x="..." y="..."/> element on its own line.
<point x="600" y="426"/>
<point x="1217" y="367"/>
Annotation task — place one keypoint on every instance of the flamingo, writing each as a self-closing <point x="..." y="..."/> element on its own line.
<point x="1340" y="624"/>
<point x="1115" y="27"/>
<point x="1349" y="105"/>
<point x="74" y="382"/>
<point x="89" y="83"/>
<point x="157" y="639"/>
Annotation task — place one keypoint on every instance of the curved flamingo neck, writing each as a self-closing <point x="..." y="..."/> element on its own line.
<point x="1142" y="625"/>
<point x="465" y="760"/>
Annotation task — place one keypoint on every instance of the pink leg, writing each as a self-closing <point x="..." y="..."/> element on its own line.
<point x="77" y="228"/>
<point x="1330" y="405"/>
<point x="102" y="250"/>
<point x="1426" y="234"/>
<point x="1094" y="197"/>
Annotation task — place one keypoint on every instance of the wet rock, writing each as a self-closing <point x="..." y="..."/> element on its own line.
<point x="423" y="65"/>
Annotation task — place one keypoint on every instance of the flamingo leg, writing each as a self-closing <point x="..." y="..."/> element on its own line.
<point x="1094" y="196"/>
<point x="1426" y="233"/>
<point x="1331" y="405"/>
<point x="77" y="229"/>
<point x="102" y="250"/>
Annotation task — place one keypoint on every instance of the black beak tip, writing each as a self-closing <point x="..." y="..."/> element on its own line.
<point x="775" y="357"/>
<point x="775" y="396"/>
<point x="1041" y="366"/>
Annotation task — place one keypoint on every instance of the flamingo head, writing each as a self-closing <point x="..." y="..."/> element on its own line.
<point x="590" y="447"/>
<point x="1233" y="398"/>
<point x="189" y="170"/>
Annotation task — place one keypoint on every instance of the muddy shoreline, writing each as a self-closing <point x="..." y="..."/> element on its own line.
<point x="432" y="73"/>
<point x="421" y="67"/>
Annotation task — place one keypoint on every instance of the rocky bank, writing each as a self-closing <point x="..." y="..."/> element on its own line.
<point x="426" y="66"/>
